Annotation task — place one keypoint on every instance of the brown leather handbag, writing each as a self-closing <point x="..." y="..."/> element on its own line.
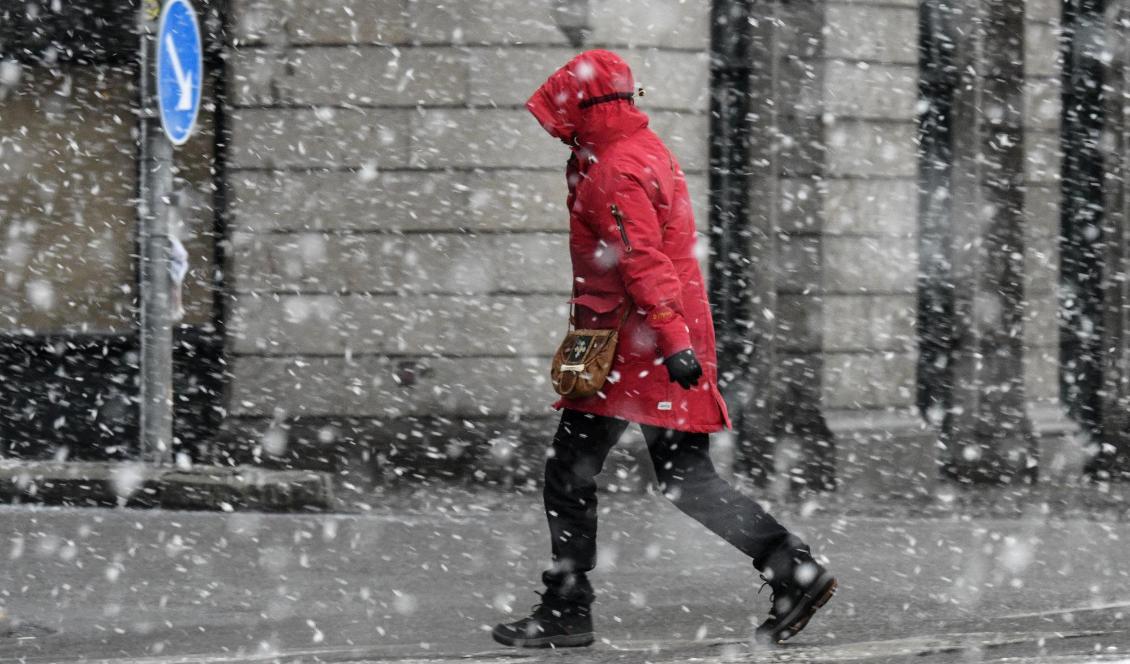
<point x="584" y="359"/>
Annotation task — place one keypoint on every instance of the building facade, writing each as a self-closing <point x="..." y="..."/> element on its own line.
<point x="379" y="238"/>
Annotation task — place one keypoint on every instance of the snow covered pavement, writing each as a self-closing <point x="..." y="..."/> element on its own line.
<point x="424" y="584"/>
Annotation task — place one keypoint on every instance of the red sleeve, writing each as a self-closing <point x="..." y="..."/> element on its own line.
<point x="627" y="220"/>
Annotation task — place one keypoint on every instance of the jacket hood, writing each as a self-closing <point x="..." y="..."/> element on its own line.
<point x="588" y="97"/>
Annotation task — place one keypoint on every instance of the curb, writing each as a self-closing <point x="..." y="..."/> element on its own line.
<point x="131" y="484"/>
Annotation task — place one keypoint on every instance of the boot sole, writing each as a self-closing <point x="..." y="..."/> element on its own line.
<point x="566" y="641"/>
<point x="798" y="619"/>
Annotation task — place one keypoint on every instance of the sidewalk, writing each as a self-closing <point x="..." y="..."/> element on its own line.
<point x="424" y="579"/>
<point x="132" y="484"/>
<point x="242" y="488"/>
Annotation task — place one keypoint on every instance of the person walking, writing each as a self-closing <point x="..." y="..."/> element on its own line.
<point x="632" y="243"/>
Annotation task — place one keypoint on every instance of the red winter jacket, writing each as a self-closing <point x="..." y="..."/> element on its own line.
<point x="645" y="259"/>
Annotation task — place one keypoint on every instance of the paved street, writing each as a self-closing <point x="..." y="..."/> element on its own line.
<point x="425" y="583"/>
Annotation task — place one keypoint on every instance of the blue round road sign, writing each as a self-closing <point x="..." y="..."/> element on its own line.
<point x="180" y="70"/>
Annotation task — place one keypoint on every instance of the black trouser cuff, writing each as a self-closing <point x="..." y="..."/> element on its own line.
<point x="573" y="587"/>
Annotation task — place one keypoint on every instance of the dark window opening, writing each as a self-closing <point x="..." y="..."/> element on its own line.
<point x="82" y="31"/>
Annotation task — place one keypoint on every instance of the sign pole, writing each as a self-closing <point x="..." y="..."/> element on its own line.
<point x="155" y="188"/>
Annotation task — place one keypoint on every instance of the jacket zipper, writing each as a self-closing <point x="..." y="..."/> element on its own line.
<point x="623" y="231"/>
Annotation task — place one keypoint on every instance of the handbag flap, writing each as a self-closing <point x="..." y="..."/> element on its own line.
<point x="584" y="346"/>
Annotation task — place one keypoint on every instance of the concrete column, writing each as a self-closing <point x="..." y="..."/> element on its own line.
<point x="741" y="236"/>
<point x="990" y="175"/>
<point x="1006" y="421"/>
<point x="990" y="433"/>
<point x="838" y="165"/>
<point x="786" y="222"/>
<point x="753" y="395"/>
<point x="1060" y="445"/>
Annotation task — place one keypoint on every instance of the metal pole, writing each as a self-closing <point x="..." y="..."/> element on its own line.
<point x="154" y="207"/>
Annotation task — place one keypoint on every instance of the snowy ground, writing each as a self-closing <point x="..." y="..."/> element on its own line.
<point x="424" y="585"/>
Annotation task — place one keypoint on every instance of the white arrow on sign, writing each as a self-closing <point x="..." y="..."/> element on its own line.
<point x="184" y="83"/>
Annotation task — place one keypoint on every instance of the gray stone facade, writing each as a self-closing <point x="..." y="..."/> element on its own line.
<point x="398" y="231"/>
<point x="839" y="129"/>
<point x="398" y="234"/>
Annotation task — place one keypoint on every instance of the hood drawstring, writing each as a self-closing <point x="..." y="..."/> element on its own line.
<point x="615" y="96"/>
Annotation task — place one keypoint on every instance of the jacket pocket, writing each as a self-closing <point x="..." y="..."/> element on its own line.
<point x="600" y="304"/>
<point x="620" y="224"/>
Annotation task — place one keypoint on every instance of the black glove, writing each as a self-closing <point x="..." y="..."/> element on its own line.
<point x="684" y="369"/>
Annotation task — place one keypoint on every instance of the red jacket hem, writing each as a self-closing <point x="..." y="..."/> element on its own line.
<point x="594" y="409"/>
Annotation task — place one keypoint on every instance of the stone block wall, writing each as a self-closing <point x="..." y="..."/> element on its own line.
<point x="870" y="257"/>
<point x="398" y="231"/>
<point x="398" y="261"/>
<point x="847" y="204"/>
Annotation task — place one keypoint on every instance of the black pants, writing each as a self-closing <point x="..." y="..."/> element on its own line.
<point x="686" y="476"/>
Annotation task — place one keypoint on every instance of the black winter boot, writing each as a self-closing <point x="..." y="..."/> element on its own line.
<point x="563" y="619"/>
<point x="800" y="586"/>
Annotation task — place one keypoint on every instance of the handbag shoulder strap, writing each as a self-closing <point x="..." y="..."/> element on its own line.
<point x="624" y="314"/>
<point x="573" y="308"/>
